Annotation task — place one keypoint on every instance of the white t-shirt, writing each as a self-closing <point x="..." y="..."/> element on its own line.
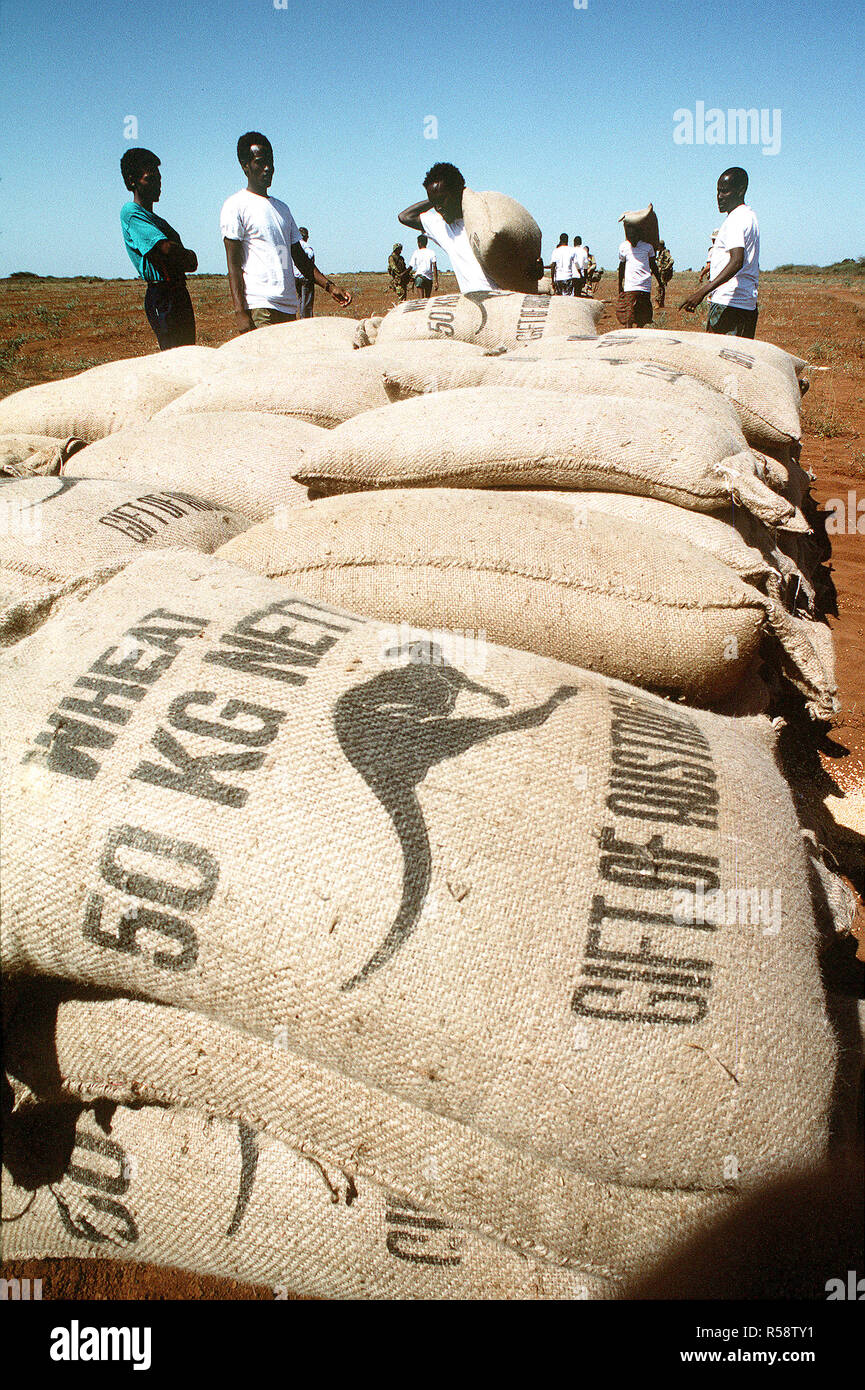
<point x="304" y="246"/>
<point x="452" y="237"/>
<point x="579" y="260"/>
<point x="423" y="262"/>
<point x="562" y="257"/>
<point x="638" y="276"/>
<point x="739" y="228"/>
<point x="268" y="231"/>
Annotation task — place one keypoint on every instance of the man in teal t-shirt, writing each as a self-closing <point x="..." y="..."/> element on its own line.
<point x="157" y="253"/>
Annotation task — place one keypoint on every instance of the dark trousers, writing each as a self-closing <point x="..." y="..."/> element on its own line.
<point x="305" y="297"/>
<point x="736" y="323"/>
<point x="170" y="314"/>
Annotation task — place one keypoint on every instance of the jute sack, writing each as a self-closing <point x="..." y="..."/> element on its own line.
<point x="278" y="827"/>
<point x="734" y="537"/>
<point x="240" y="460"/>
<point x="491" y="318"/>
<point x="505" y="238"/>
<point x="642" y="225"/>
<point x="643" y="381"/>
<point x="281" y="340"/>
<point x="793" y="368"/>
<point x="764" y="398"/>
<point x="172" y="1187"/>
<point x="106" y="398"/>
<point x="52" y="528"/>
<point x="530" y="572"/>
<point x="34" y="455"/>
<point x="321" y="390"/>
<point x="491" y="436"/>
<point x="124" y="1051"/>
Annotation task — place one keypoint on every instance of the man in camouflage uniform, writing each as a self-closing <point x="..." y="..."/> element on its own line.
<point x="398" y="272"/>
<point x="664" y="262"/>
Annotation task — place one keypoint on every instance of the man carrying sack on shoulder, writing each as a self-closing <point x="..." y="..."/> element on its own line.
<point x="734" y="263"/>
<point x="637" y="265"/>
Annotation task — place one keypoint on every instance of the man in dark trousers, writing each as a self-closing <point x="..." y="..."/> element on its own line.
<point x="263" y="247"/>
<point x="158" y="254"/>
<point x="734" y="263"/>
<point x="305" y="288"/>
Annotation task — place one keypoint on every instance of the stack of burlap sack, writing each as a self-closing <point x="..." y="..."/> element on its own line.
<point x="406" y="900"/>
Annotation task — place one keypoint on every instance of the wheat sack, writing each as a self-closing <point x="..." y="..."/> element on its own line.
<point x="240" y="460"/>
<point x="491" y="436"/>
<point x="105" y="398"/>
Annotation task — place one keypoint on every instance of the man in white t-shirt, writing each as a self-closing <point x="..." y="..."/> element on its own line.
<point x="734" y="263"/>
<point x="560" y="266"/>
<point x="422" y="265"/>
<point x="440" y="215"/>
<point x="263" y="246"/>
<point x="579" y="265"/>
<point x="637" y="265"/>
<point x="305" y="288"/>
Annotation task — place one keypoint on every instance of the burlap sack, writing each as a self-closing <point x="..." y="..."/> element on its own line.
<point x="281" y="340"/>
<point x="106" y="398"/>
<point x="793" y="368"/>
<point x="766" y="401"/>
<point x="491" y="436"/>
<point x="735" y="537"/>
<point x="267" y="821"/>
<point x="505" y="238"/>
<point x="604" y="592"/>
<point x="321" y="390"/>
<point x="171" y="1187"/>
<point x="239" y="460"/>
<point x="53" y="528"/>
<point x="641" y="224"/>
<point x="642" y="381"/>
<point x="34" y="455"/>
<point x="123" y="1051"/>
<point x="493" y="319"/>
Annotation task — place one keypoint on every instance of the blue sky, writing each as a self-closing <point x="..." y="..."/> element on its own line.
<point x="569" y="110"/>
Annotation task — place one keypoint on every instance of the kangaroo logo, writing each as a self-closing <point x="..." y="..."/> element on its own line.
<point x="393" y="729"/>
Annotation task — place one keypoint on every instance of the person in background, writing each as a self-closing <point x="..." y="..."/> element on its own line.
<point x="440" y="216"/>
<point x="424" y="269"/>
<point x="637" y="265"/>
<point x="262" y="245"/>
<point x="304" y="287"/>
<point x="704" y="273"/>
<point x="398" y="271"/>
<point x="734" y="264"/>
<point x="579" y="263"/>
<point x="560" y="266"/>
<point x="665" y="270"/>
<point x="593" y="274"/>
<point x="158" y="254"/>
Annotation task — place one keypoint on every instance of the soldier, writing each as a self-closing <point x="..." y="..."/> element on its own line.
<point x="398" y="272"/>
<point x="664" y="263"/>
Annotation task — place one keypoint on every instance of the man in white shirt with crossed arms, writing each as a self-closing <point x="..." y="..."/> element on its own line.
<point x="734" y="263"/>
<point x="440" y="216"/>
<point x="263" y="245"/>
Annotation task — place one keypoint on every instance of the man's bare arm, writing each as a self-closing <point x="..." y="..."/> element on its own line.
<point x="172" y="259"/>
<point x="733" y="266"/>
<point x="310" y="271"/>
<point x="234" y="257"/>
<point x="410" y="216"/>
